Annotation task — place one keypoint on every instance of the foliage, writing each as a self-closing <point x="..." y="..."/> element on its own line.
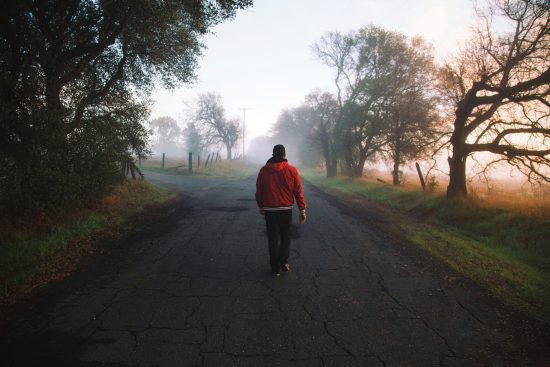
<point x="193" y="140"/>
<point x="74" y="76"/>
<point x="165" y="134"/>
<point x="383" y="99"/>
<point x="293" y="129"/>
<point x="412" y="123"/>
<point x="324" y="111"/>
<point x="498" y="87"/>
<point x="213" y="125"/>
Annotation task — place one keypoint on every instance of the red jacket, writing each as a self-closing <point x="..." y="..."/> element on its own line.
<point x="277" y="186"/>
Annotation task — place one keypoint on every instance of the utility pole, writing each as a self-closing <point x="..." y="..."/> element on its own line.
<point x="244" y="126"/>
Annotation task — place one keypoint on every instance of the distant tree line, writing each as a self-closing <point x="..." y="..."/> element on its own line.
<point x="207" y="127"/>
<point x="74" y="77"/>
<point x="393" y="103"/>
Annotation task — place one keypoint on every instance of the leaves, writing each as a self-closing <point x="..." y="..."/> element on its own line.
<point x="74" y="81"/>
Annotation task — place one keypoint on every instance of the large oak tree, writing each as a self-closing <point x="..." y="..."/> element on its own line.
<point x="499" y="86"/>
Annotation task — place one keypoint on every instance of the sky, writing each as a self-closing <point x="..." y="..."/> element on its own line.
<point x="262" y="60"/>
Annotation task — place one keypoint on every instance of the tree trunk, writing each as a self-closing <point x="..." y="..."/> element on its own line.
<point x="330" y="158"/>
<point x="358" y="169"/>
<point x="348" y="162"/>
<point x="396" y="162"/>
<point x="332" y="166"/>
<point x="395" y="172"/>
<point x="457" y="178"/>
<point x="457" y="163"/>
<point x="228" y="147"/>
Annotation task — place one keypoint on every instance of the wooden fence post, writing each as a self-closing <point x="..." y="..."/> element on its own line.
<point x="162" y="160"/>
<point x="190" y="161"/>
<point x="421" y="177"/>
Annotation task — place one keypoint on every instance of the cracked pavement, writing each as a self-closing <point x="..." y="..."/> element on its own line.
<point x="197" y="291"/>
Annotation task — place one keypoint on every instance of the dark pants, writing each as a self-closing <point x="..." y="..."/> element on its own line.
<point x="278" y="234"/>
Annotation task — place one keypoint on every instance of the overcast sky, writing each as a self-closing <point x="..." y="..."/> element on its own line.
<point x="262" y="59"/>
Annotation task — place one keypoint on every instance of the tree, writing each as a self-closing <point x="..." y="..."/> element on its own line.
<point x="377" y="74"/>
<point x="73" y="80"/>
<point x="358" y="125"/>
<point x="166" y="134"/>
<point x="324" y="113"/>
<point x="499" y="87"/>
<point x="411" y="126"/>
<point x="215" y="128"/>
<point x="411" y="130"/>
<point x="293" y="129"/>
<point x="193" y="140"/>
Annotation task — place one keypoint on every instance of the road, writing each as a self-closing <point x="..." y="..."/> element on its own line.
<point x="196" y="290"/>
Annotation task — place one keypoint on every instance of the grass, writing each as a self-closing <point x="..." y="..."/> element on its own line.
<point x="46" y="248"/>
<point x="228" y="170"/>
<point x="503" y="247"/>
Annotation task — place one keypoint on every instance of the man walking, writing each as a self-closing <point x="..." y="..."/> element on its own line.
<point x="277" y="186"/>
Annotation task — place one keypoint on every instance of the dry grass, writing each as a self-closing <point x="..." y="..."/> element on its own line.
<point x="510" y="195"/>
<point x="527" y="202"/>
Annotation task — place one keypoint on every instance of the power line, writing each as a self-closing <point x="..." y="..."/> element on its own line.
<point x="244" y="125"/>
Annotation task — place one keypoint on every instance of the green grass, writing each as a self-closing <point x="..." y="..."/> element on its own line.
<point x="41" y="249"/>
<point x="28" y="256"/>
<point x="502" y="249"/>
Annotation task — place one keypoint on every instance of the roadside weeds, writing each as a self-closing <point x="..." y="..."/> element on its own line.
<point x="32" y="256"/>
<point x="503" y="251"/>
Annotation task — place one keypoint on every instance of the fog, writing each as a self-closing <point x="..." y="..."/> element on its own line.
<point x="261" y="149"/>
<point x="262" y="61"/>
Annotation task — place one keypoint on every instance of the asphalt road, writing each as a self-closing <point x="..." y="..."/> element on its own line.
<point x="196" y="290"/>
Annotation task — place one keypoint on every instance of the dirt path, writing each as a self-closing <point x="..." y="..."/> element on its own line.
<point x="196" y="291"/>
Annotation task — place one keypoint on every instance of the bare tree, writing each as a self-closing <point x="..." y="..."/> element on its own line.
<point x="214" y="126"/>
<point x="499" y="86"/>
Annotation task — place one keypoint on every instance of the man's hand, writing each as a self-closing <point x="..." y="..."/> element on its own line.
<point x="303" y="216"/>
<point x="262" y="212"/>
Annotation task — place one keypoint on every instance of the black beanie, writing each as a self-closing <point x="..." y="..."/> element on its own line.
<point x="279" y="151"/>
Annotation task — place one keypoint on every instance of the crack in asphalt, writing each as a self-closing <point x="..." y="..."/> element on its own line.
<point x="411" y="311"/>
<point x="206" y="279"/>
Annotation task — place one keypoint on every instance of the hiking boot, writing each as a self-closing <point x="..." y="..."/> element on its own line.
<point x="285" y="268"/>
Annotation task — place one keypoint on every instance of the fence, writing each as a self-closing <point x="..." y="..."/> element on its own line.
<point x="192" y="162"/>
